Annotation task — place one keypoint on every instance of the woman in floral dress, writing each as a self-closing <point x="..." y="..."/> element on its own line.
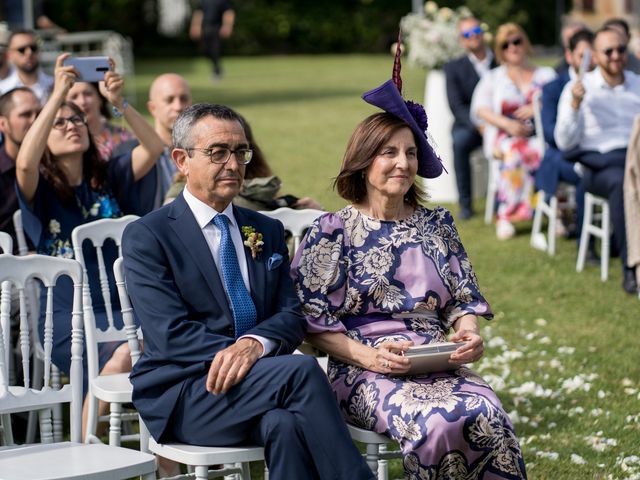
<point x="384" y="273"/>
<point x="503" y="102"/>
<point x="62" y="182"/>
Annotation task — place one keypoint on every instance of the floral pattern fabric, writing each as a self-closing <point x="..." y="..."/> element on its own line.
<point x="110" y="137"/>
<point x="379" y="281"/>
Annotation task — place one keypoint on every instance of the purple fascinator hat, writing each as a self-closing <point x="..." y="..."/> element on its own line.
<point x="388" y="97"/>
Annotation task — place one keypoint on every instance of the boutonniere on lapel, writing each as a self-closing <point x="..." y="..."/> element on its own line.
<point x="253" y="240"/>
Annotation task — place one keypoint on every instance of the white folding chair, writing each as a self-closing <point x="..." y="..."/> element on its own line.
<point x="51" y="460"/>
<point x="23" y="248"/>
<point x="295" y="221"/>
<point x="6" y="243"/>
<point x="598" y="224"/>
<point x="375" y="443"/>
<point x="6" y="246"/>
<point x="492" y="189"/>
<point x="114" y="389"/>
<point x="235" y="459"/>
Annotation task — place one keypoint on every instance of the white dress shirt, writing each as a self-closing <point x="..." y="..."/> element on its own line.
<point x="41" y="89"/>
<point x="605" y="117"/>
<point x="481" y="66"/>
<point x="204" y="215"/>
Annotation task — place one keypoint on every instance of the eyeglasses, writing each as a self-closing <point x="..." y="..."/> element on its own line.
<point x="222" y="155"/>
<point x="515" y="42"/>
<point x="621" y="49"/>
<point x="22" y="50"/>
<point x="472" y="32"/>
<point x="60" y="123"/>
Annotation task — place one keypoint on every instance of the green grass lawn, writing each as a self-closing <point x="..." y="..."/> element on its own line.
<point x="562" y="352"/>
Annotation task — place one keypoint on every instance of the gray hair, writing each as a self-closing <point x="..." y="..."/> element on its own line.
<point x="183" y="126"/>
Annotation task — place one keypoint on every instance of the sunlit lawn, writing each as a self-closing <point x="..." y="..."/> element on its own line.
<point x="563" y="349"/>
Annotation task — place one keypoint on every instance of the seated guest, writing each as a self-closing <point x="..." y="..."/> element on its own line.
<point x="169" y="96"/>
<point x="62" y="182"/>
<point x="566" y="32"/>
<point x="622" y="27"/>
<point x="106" y="135"/>
<point x="502" y="101"/>
<point x="18" y="110"/>
<point x="220" y="318"/>
<point x="596" y="115"/>
<point x="23" y="53"/>
<point x="555" y="166"/>
<point x="384" y="273"/>
<point x="260" y="189"/>
<point x="462" y="76"/>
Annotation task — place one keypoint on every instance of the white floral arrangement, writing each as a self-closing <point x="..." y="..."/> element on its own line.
<point x="432" y="38"/>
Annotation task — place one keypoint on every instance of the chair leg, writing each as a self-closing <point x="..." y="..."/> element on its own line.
<point x="56" y="384"/>
<point x="5" y="427"/>
<point x="553" y="218"/>
<point x="38" y="367"/>
<point x="245" y="473"/>
<point x="202" y="472"/>
<point x="584" y="235"/>
<point x="383" y="465"/>
<point x="46" y="430"/>
<point x="606" y="240"/>
<point x="115" y="424"/>
<point x="372" y="457"/>
<point x="92" y="416"/>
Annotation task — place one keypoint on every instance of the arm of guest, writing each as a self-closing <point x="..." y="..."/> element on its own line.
<point x="146" y="154"/>
<point x="570" y="123"/>
<point x="35" y="140"/>
<point x="549" y="110"/>
<point x="457" y="102"/>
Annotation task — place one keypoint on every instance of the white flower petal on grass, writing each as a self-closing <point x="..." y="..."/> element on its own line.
<point x="555" y="363"/>
<point x="552" y="425"/>
<point x="497" y="342"/>
<point x="544" y="341"/>
<point x="627" y="382"/>
<point x="577" y="459"/>
<point x="548" y="455"/>
<point x="601" y="394"/>
<point x="531" y="389"/>
<point x="575" y="411"/>
<point x="576" y="383"/>
<point x="630" y="391"/>
<point x="600" y="443"/>
<point x="541" y="322"/>
<point x="564" y="350"/>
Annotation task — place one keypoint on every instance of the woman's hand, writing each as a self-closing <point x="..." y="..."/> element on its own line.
<point x="64" y="76"/>
<point x="525" y="112"/>
<point x="388" y="358"/>
<point x="112" y="86"/>
<point x="471" y="351"/>
<point x="516" y="128"/>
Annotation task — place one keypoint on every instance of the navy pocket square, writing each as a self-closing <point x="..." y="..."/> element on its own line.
<point x="274" y="261"/>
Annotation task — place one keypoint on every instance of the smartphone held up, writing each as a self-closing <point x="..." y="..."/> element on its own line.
<point x="90" y="69"/>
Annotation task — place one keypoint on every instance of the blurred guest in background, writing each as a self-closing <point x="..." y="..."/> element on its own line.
<point x="503" y="102"/>
<point x="462" y="75"/>
<point x="211" y="23"/>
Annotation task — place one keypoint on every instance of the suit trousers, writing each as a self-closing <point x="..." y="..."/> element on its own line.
<point x="285" y="404"/>
<point x="608" y="182"/>
<point x="465" y="140"/>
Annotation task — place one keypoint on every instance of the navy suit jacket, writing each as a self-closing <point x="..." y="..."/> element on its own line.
<point x="462" y="79"/>
<point x="551" y="92"/>
<point x="178" y="296"/>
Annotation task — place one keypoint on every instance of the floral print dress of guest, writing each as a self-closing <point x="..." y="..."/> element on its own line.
<point x="521" y="157"/>
<point x="379" y="281"/>
<point x="110" y="137"/>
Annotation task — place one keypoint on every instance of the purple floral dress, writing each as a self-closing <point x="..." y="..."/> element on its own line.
<point x="380" y="281"/>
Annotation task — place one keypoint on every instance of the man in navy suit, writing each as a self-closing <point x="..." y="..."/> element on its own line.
<point x="462" y="76"/>
<point x="558" y="166"/>
<point x="216" y="368"/>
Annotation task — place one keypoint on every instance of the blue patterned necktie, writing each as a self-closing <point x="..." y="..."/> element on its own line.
<point x="244" y="311"/>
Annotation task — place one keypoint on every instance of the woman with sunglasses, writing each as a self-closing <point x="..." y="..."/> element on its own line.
<point x="63" y="182"/>
<point x="502" y="101"/>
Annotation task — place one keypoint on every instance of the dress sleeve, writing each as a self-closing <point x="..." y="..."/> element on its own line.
<point x="32" y="214"/>
<point x="319" y="273"/>
<point x="460" y="277"/>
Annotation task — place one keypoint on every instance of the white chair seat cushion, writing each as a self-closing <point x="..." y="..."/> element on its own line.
<point x="195" y="455"/>
<point x="73" y="461"/>
<point x="112" y="388"/>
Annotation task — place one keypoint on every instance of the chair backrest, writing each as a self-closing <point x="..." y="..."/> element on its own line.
<point x="128" y="318"/>
<point x="295" y="221"/>
<point x="23" y="249"/>
<point x="537" y="120"/>
<point x="19" y="271"/>
<point x="6" y="243"/>
<point x="97" y="233"/>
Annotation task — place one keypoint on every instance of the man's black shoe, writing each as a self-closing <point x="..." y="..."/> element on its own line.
<point x="465" y="213"/>
<point x="629" y="281"/>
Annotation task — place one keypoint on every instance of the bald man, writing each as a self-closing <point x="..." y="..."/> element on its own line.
<point x="169" y="96"/>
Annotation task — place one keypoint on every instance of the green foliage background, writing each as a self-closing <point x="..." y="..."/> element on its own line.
<point x="296" y="26"/>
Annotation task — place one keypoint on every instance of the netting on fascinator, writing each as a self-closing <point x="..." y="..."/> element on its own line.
<point x="388" y="97"/>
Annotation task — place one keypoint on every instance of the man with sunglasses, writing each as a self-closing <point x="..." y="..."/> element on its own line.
<point x="596" y="114"/>
<point x="462" y="76"/>
<point x="210" y="284"/>
<point x="23" y="53"/>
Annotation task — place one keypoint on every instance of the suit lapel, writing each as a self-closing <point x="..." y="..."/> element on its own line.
<point x="256" y="267"/>
<point x="188" y="231"/>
